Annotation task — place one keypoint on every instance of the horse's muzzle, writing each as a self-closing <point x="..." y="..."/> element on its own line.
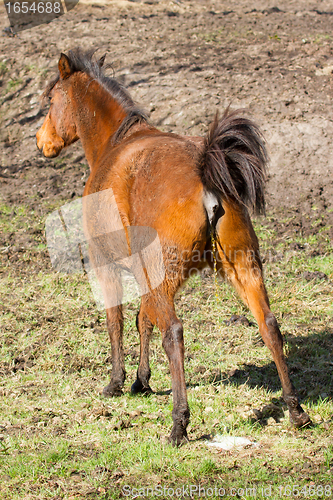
<point x="49" y="149"/>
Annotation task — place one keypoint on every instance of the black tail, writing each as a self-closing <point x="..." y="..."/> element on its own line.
<point x="234" y="160"/>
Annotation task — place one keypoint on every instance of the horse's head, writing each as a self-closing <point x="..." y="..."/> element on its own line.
<point x="85" y="104"/>
<point x="58" y="129"/>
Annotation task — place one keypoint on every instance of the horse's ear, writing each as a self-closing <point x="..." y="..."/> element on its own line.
<point x="64" y="66"/>
<point x="101" y="61"/>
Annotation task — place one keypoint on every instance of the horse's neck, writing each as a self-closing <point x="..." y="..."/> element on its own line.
<point x="98" y="116"/>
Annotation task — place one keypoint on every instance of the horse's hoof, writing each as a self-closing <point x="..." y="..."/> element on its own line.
<point x="178" y="438"/>
<point x="300" y="420"/>
<point x="111" y="390"/>
<point x="297" y="416"/>
<point x="138" y="388"/>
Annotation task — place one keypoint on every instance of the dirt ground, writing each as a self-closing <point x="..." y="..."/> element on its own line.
<point x="182" y="61"/>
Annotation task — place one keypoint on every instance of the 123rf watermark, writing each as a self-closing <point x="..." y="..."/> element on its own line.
<point x="198" y="491"/>
<point x="25" y="14"/>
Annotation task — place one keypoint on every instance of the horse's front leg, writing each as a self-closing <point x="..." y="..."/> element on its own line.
<point x="109" y="280"/>
<point x="115" y="322"/>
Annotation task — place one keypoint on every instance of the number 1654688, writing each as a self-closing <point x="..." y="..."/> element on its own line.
<point x="33" y="8"/>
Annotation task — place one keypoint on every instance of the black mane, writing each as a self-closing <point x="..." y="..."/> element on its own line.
<point x="87" y="63"/>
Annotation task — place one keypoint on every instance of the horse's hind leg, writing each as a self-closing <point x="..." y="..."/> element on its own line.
<point x="115" y="323"/>
<point x="161" y="313"/>
<point x="145" y="328"/>
<point x="239" y="260"/>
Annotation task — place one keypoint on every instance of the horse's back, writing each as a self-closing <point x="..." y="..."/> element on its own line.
<point x="156" y="183"/>
<point x="167" y="187"/>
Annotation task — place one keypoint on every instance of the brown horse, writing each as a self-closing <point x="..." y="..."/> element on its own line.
<point x="184" y="188"/>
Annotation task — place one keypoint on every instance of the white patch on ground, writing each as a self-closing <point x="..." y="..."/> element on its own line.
<point x="227" y="443"/>
<point x="327" y="70"/>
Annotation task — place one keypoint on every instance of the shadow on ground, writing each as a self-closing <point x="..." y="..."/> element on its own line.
<point x="310" y="366"/>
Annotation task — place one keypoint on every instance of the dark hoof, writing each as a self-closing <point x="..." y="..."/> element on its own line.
<point x="300" y="420"/>
<point x="112" y="390"/>
<point x="297" y="415"/>
<point x="138" y="388"/>
<point x="178" y="437"/>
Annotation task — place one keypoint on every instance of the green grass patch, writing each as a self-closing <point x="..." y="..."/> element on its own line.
<point x="60" y="439"/>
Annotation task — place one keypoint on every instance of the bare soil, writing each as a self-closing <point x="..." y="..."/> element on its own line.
<point x="182" y="61"/>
